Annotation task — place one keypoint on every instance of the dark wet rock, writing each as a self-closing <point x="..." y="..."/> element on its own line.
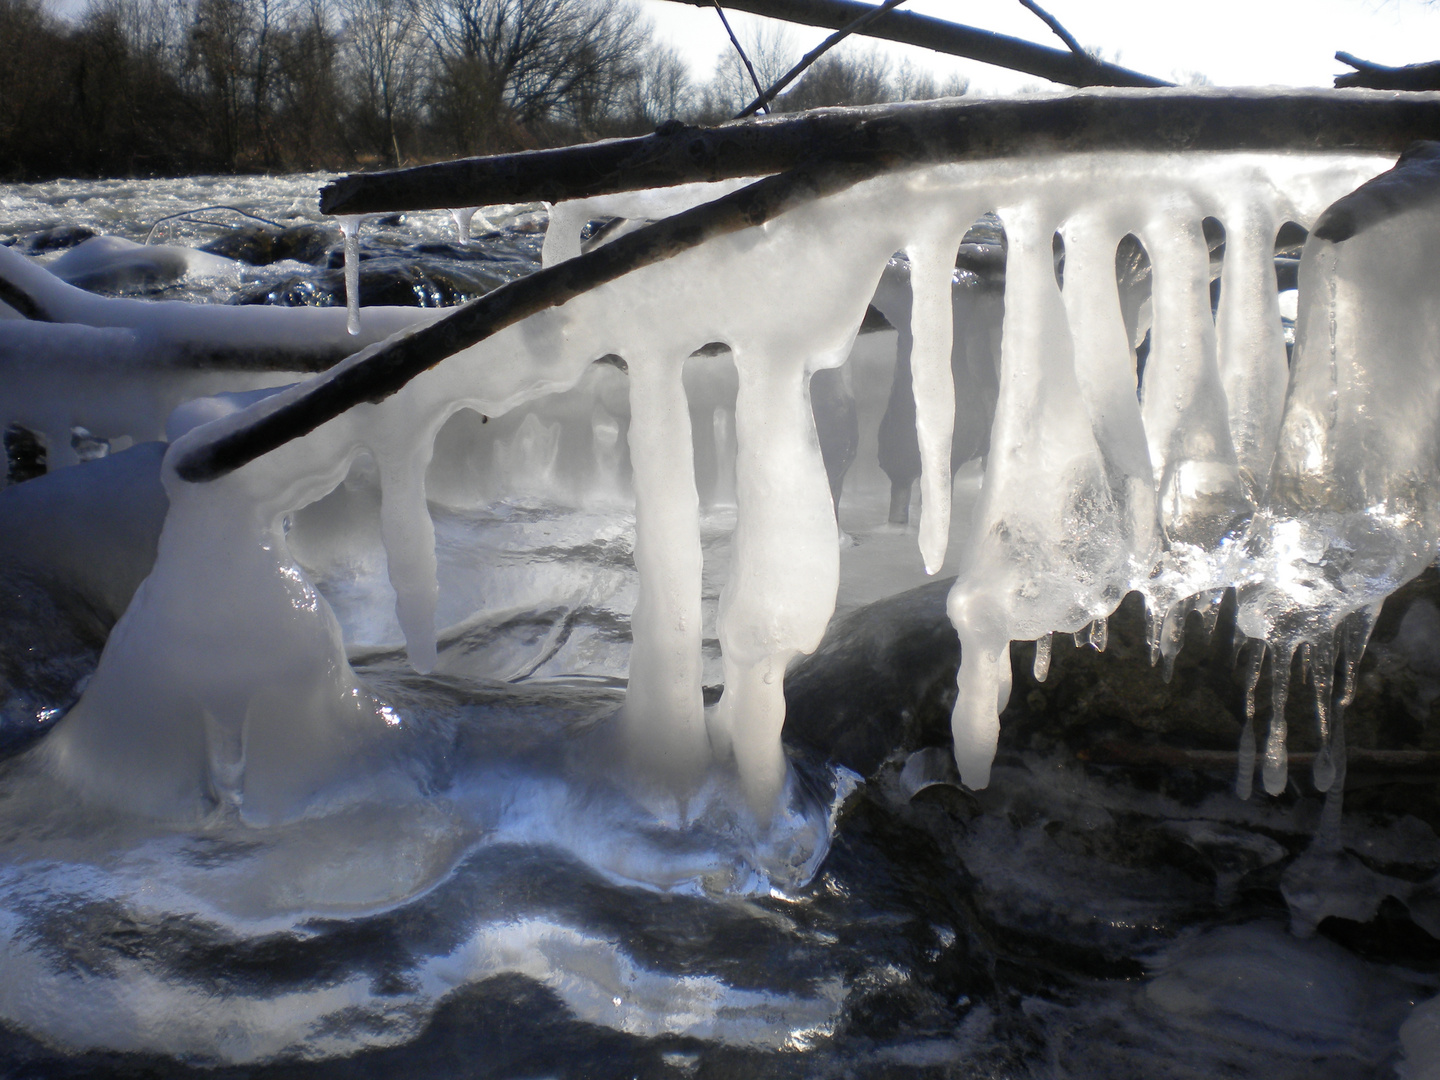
<point x="25" y="456"/>
<point x="882" y="681"/>
<point x="60" y="238"/>
<point x="261" y="245"/>
<point x="1080" y="860"/>
<point x="395" y="271"/>
<point x="50" y="645"/>
<point x="383" y="282"/>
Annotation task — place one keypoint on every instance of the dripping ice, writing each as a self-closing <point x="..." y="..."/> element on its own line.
<point x="1309" y="489"/>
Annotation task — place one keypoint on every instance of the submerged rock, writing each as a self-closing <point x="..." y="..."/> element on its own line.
<point x="261" y="245"/>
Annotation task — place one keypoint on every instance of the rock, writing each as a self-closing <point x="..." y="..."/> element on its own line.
<point x="261" y="245"/>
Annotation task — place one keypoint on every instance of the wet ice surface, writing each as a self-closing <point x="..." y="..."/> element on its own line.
<point x="1073" y="920"/>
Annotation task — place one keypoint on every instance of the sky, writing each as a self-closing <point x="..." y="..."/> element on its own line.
<point x="1229" y="42"/>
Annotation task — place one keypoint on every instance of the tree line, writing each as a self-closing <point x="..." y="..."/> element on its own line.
<point x="168" y="87"/>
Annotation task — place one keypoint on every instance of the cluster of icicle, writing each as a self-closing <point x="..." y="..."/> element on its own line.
<point x="1311" y="491"/>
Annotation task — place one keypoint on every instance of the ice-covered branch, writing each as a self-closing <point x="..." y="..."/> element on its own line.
<point x="376" y="374"/>
<point x="954" y="39"/>
<point x="948" y="130"/>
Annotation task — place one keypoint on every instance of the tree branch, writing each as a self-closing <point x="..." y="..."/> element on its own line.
<point x="938" y="35"/>
<point x="947" y="130"/>
<point x="1057" y="27"/>
<point x="376" y="376"/>
<point x="763" y="101"/>
<point x="1380" y="77"/>
<point x="755" y="79"/>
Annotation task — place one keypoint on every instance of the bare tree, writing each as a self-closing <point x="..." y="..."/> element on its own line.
<point x="383" y="40"/>
<point x="772" y="50"/>
<point x="307" y="84"/>
<point x="509" y="70"/>
<point x="843" y="76"/>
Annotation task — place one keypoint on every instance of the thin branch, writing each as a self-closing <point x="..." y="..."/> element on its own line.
<point x="1059" y="29"/>
<point x="938" y="35"/>
<point x="1381" y="77"/>
<point x="954" y="130"/>
<point x="377" y="375"/>
<point x="763" y="101"/>
<point x="736" y="42"/>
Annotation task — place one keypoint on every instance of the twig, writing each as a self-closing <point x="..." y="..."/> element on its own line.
<point x="763" y="101"/>
<point x="201" y="210"/>
<point x="938" y="35"/>
<point x="1055" y="25"/>
<point x="954" y="130"/>
<point x="736" y="42"/>
<point x="1380" y="77"/>
<point x="375" y="376"/>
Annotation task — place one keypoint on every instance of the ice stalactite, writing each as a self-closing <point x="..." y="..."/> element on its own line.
<point x="463" y="218"/>
<point x="351" y="228"/>
<point x="1098" y="480"/>
<point x="663" y="722"/>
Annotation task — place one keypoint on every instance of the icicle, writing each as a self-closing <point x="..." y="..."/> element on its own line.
<point x="1254" y="369"/>
<point x="1172" y="634"/>
<point x="1100" y="634"/>
<point x="931" y="269"/>
<point x="664" y="714"/>
<point x="785" y="566"/>
<point x="409" y="538"/>
<point x="1208" y="605"/>
<point x="351" y="228"/>
<point x="1245" y="763"/>
<point x="1277" y="755"/>
<point x="462" y="220"/>
<point x="1154" y="626"/>
<point x="1327" y="837"/>
<point x="1042" y="656"/>
<point x="1355" y="632"/>
<point x="1033" y="490"/>
<point x="1322" y="674"/>
<point x="1182" y="400"/>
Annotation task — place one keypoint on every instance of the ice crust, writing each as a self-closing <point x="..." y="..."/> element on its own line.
<point x="1311" y="491"/>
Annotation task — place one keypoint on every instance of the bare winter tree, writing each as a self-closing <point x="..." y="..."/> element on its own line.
<point x="662" y="90"/>
<point x="509" y="70"/>
<point x="384" y="44"/>
<point x="772" y="49"/>
<point x="308" y="87"/>
<point x="843" y="76"/>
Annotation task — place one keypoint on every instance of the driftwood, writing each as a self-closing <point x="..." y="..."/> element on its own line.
<point x="918" y="132"/>
<point x="381" y="373"/>
<point x="937" y="35"/>
<point x="1380" y="77"/>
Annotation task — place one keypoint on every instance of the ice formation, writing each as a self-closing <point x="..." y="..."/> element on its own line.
<point x="227" y="681"/>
